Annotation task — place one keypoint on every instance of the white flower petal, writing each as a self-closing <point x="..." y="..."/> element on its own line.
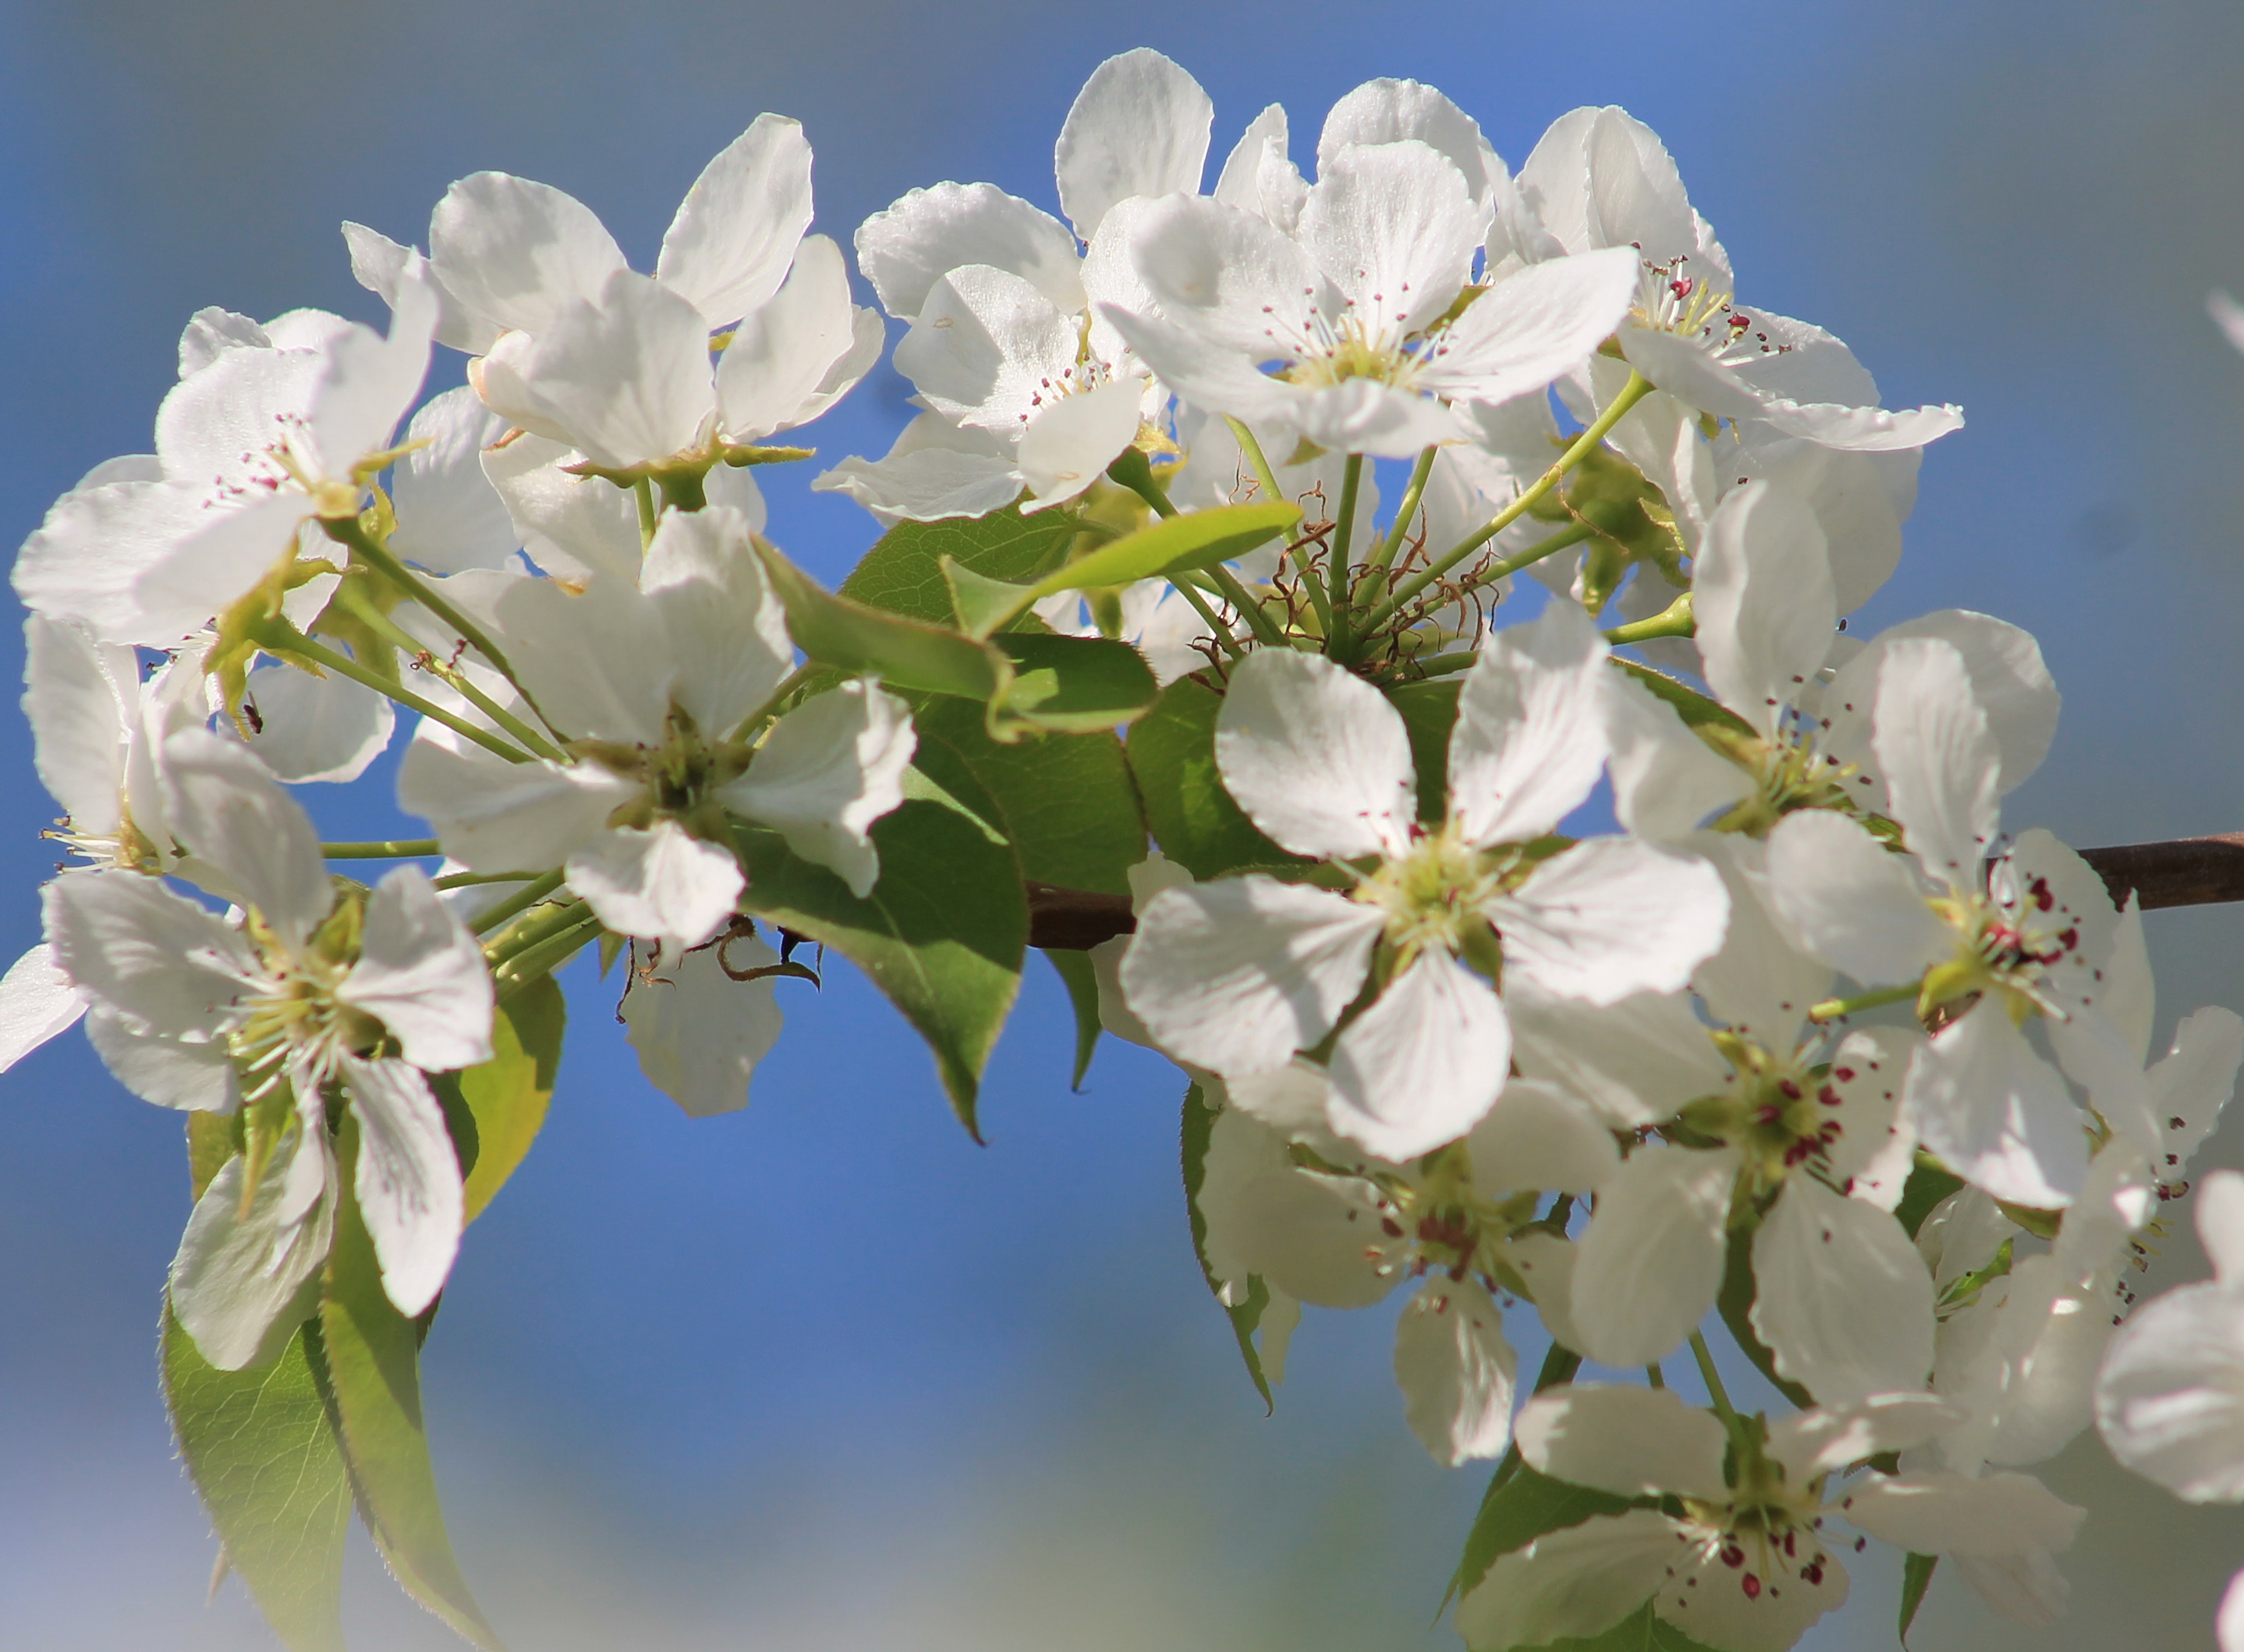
<point x="929" y="232"/>
<point x="2170" y="1397"/>
<point x="170" y="966"/>
<point x="572" y="527"/>
<point x="2220" y="1220"/>
<point x="407" y="1180"/>
<point x="1323" y="1239"/>
<point x="240" y="1283"/>
<point x="1636" y="1060"/>
<point x="1455" y="1370"/>
<point x="1760" y="983"/>
<point x="1316" y="756"/>
<point x="1935" y="1512"/>
<point x="317" y="728"/>
<point x="2027" y="1587"/>
<point x="1535" y="1137"/>
<point x="1996" y="1114"/>
<point x="379" y="264"/>
<point x="594" y="660"/>
<point x="1941" y="764"/>
<point x="1139" y="127"/>
<point x="2009" y="681"/>
<point x="828" y="770"/>
<point x="1870" y="1143"/>
<point x="1237" y="974"/>
<point x="1665" y="779"/>
<point x="720" y="623"/>
<point x="1610" y="917"/>
<point x="1534" y="326"/>
<point x="1810" y="1443"/>
<point x="80" y="697"/>
<point x="227" y="808"/>
<point x="1395" y="226"/>
<point x="1852" y="904"/>
<point x="1633" y="1442"/>
<point x="699" y="1032"/>
<point x="1647" y="1269"/>
<point x="988" y="349"/>
<point x="449" y="517"/>
<point x="518" y="252"/>
<point x="495" y="816"/>
<point x="658" y="883"/>
<point x="420" y="974"/>
<point x="1842" y="1298"/>
<point x="1743" y="1607"/>
<point x="1069" y="443"/>
<point x="1765" y="606"/>
<point x="1578" y="1581"/>
<point x="774" y="374"/>
<point x="170" y="1072"/>
<point x="729" y="244"/>
<point x="37" y="1002"/>
<point x="1423" y="1064"/>
<point x="1529" y="734"/>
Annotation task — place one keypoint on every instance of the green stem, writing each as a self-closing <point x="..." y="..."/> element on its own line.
<point x="1258" y="621"/>
<point x="1444" y="665"/>
<point x="1634" y="391"/>
<point x="529" y="965"/>
<point x="464" y="879"/>
<point x="1383" y="558"/>
<point x="1572" y="534"/>
<point x="348" y="531"/>
<point x="389" y="849"/>
<point x="1675" y="620"/>
<point x="390" y="631"/>
<point x="517" y="903"/>
<point x="1252" y="449"/>
<point x="343" y="665"/>
<point x="1135" y="471"/>
<point x="1839" y="1009"/>
<point x="1340" y="581"/>
<point x="1715" y="1392"/>
<point x="794" y="680"/>
<point x="643" y="491"/>
<point x="1216" y="628"/>
<point x="1654" y="1375"/>
<point x="534" y="930"/>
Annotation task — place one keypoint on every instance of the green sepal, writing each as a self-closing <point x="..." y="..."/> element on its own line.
<point x="260" y="1447"/>
<point x="1202" y="539"/>
<point x="1081" y="980"/>
<point x="1172" y="753"/>
<point x="1198" y="1127"/>
<point x="1069" y="807"/>
<point x="505" y="1097"/>
<point x="1068" y="685"/>
<point x="904" y="571"/>
<point x="373" y="1365"/>
<point x="943" y="934"/>
<point x="1915" y="1579"/>
<point x="1736" y="1303"/>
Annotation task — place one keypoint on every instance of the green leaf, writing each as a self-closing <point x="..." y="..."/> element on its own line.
<point x="1736" y="1303"/>
<point x="506" y="1096"/>
<point x="903" y="653"/>
<point x="1069" y="685"/>
<point x="985" y="603"/>
<point x="1198" y="1126"/>
<point x="1172" y="753"/>
<point x="902" y="573"/>
<point x="1519" y="1509"/>
<point x="212" y="1138"/>
<point x="1929" y="1181"/>
<point x="943" y="934"/>
<point x="1081" y="980"/>
<point x="374" y="1363"/>
<point x="1916" y="1578"/>
<point x="1642" y="1630"/>
<point x="1695" y="709"/>
<point x="1067" y="803"/>
<point x="259" y="1445"/>
<point x="1430" y="712"/>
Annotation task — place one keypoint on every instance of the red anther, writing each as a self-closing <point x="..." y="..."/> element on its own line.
<point x="1789" y="1549"/>
<point x="1844" y="1074"/>
<point x="1811" y="1573"/>
<point x="1789" y="1090"/>
<point x="1734" y="1556"/>
<point x="1751" y="1586"/>
<point x="1829" y="1097"/>
<point x="2039" y="889"/>
<point x="2068" y="939"/>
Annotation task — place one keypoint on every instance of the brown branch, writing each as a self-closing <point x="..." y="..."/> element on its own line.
<point x="2186" y="872"/>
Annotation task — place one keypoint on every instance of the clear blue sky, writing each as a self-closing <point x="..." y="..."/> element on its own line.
<point x="824" y="1374"/>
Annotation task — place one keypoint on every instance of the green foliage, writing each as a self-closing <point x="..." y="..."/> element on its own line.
<point x="506" y="1096"/>
<point x="1193" y="818"/>
<point x="1915" y="1579"/>
<point x="985" y="604"/>
<point x="261" y="1450"/>
<point x="904" y="571"/>
<point x="1068" y="685"/>
<point x="943" y="934"/>
<point x="1929" y="1181"/>
<point x="1068" y="804"/>
<point x="1245" y="1317"/>
<point x="373" y="1366"/>
<point x="1081" y="980"/>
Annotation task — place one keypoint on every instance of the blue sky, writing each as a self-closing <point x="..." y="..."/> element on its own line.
<point x="825" y="1373"/>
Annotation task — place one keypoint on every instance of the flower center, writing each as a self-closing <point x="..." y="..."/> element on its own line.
<point x="1435" y="895"/>
<point x="1667" y="300"/>
<point x="1779" y="1111"/>
<point x="2006" y="945"/>
<point x="293" y="1027"/>
<point x="1790" y="773"/>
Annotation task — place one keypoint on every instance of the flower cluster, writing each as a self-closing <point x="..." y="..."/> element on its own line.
<point x="1655" y="962"/>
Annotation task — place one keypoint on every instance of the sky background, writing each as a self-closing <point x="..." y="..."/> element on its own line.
<point x="824" y="1374"/>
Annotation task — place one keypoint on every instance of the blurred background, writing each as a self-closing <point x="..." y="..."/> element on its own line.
<point x="824" y="1374"/>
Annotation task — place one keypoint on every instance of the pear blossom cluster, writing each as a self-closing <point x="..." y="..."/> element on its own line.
<point x="1599" y="963"/>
